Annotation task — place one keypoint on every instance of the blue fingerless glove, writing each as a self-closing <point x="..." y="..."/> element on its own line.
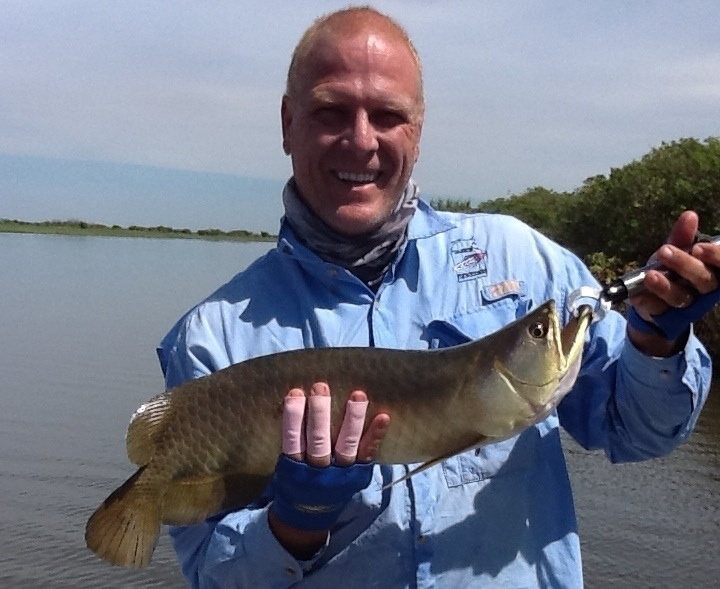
<point x="311" y="498"/>
<point x="672" y="323"/>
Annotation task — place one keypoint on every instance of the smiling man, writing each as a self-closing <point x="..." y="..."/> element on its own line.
<point x="352" y="118"/>
<point x="361" y="260"/>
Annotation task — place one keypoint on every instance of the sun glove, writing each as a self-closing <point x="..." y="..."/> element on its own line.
<point x="312" y="498"/>
<point x="673" y="322"/>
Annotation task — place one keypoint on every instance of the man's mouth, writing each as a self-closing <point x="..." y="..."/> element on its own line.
<point x="357" y="178"/>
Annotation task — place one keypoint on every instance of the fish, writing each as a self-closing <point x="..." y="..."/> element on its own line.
<point x="211" y="444"/>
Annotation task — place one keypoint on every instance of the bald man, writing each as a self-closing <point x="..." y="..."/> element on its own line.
<point x="361" y="260"/>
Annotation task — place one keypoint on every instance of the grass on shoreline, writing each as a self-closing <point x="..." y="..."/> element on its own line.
<point x="75" y="227"/>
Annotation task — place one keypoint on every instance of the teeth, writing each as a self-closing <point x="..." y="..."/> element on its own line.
<point x="359" y="178"/>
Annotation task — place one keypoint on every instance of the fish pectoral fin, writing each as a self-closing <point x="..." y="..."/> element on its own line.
<point x="192" y="499"/>
<point x="434" y="461"/>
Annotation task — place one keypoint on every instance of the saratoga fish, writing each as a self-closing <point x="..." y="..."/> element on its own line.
<point x="212" y="443"/>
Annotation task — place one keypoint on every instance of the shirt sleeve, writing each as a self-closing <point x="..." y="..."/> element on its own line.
<point x="631" y="405"/>
<point x="235" y="550"/>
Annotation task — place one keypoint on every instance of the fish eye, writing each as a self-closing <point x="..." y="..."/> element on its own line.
<point x="538" y="330"/>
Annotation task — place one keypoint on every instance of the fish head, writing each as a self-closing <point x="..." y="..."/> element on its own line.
<point x="539" y="360"/>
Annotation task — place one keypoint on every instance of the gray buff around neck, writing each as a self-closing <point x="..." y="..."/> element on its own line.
<point x="368" y="256"/>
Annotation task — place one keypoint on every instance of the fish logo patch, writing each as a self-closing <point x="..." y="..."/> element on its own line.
<point x="468" y="260"/>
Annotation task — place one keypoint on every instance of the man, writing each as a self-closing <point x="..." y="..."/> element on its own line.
<point x="362" y="261"/>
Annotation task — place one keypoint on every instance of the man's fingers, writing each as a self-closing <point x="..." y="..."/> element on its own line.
<point x="293" y="440"/>
<point x="306" y="428"/>
<point x="683" y="232"/>
<point x="709" y="254"/>
<point x="348" y="440"/>
<point x="318" y="448"/>
<point x="695" y="268"/>
<point x="370" y="442"/>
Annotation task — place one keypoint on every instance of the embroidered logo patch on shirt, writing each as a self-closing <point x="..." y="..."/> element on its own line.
<point x="501" y="289"/>
<point x="469" y="261"/>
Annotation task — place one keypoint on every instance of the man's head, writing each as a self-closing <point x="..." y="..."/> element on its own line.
<point x="352" y="117"/>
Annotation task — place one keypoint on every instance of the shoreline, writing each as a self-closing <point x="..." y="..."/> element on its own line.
<point x="84" y="229"/>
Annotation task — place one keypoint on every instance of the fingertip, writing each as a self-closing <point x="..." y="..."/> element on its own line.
<point x="358" y="396"/>
<point x="371" y="441"/>
<point x="689" y="215"/>
<point x="381" y="423"/>
<point x="321" y="389"/>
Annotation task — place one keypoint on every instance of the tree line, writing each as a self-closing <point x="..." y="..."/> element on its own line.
<point x="616" y="221"/>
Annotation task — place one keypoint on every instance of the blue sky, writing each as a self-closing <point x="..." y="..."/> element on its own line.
<point x="167" y="111"/>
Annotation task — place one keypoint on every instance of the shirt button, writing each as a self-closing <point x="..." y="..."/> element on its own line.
<point x="290" y="572"/>
<point x="421" y="539"/>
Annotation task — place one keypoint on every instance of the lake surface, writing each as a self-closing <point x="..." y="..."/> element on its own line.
<point x="80" y="320"/>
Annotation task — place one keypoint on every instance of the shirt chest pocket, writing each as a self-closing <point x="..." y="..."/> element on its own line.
<point x="489" y="312"/>
<point x="495" y="311"/>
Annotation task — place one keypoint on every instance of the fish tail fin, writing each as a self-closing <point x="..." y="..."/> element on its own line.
<point x="125" y="528"/>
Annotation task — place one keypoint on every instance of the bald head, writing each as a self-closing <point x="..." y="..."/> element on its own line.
<point x="346" y="24"/>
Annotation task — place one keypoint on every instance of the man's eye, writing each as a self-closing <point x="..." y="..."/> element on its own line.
<point x="330" y="115"/>
<point x="388" y="118"/>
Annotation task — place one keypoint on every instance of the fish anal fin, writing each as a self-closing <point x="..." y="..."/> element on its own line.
<point x="125" y="528"/>
<point x="438" y="460"/>
<point x="144" y="428"/>
<point x="191" y="500"/>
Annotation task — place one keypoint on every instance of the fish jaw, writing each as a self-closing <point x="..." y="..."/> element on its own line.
<point x="540" y="371"/>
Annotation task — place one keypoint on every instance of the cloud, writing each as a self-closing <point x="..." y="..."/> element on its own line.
<point x="519" y="93"/>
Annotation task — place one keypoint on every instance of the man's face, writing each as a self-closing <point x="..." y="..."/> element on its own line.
<point x="352" y="129"/>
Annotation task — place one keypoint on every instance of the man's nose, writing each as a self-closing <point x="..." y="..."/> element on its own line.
<point x="363" y="133"/>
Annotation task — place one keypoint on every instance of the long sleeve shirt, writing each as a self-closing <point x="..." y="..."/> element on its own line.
<point x="498" y="516"/>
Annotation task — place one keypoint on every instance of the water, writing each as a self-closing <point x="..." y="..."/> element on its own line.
<point x="80" y="321"/>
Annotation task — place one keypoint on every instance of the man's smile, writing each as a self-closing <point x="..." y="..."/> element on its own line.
<point x="357" y="178"/>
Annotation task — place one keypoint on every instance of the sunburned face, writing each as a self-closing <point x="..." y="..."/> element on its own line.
<point x="353" y="127"/>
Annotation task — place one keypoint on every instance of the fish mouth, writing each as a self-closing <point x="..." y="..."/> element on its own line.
<point x="572" y="337"/>
<point x="511" y="377"/>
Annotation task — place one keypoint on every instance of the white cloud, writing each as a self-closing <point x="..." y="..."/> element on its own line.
<point x="520" y="93"/>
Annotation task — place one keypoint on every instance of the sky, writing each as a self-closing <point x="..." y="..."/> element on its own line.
<point x="166" y="112"/>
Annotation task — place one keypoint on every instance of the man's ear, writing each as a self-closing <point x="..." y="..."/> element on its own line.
<point x="286" y="121"/>
<point x="417" y="145"/>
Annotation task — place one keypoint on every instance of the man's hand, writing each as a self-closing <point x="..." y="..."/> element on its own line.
<point x="661" y="316"/>
<point x="312" y="484"/>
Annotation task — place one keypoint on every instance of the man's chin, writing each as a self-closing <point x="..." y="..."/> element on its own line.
<point x="352" y="222"/>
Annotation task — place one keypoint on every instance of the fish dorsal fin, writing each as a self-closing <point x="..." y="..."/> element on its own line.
<point x="144" y="428"/>
<point x="438" y="460"/>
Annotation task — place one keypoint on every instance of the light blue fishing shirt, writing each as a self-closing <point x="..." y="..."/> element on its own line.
<point x="500" y="516"/>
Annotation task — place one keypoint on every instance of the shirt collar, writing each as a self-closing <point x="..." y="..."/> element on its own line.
<point x="426" y="222"/>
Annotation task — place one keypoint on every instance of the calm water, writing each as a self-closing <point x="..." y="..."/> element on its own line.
<point x="80" y="320"/>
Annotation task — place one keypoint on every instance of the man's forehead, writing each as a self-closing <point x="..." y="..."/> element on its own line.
<point x="364" y="53"/>
<point x="352" y="49"/>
